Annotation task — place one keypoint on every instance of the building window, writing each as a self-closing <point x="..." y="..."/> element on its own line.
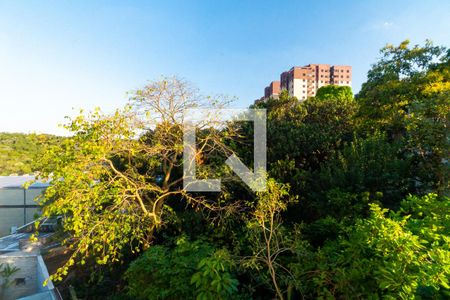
<point x="20" y="281"/>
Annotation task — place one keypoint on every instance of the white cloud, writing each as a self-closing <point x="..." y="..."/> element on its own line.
<point x="384" y="25"/>
<point x="388" y="25"/>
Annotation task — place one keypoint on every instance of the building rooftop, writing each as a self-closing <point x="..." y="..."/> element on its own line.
<point x="11" y="243"/>
<point x="19" y="181"/>
<point x="27" y="281"/>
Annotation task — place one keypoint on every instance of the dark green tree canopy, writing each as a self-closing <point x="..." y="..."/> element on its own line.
<point x="334" y="92"/>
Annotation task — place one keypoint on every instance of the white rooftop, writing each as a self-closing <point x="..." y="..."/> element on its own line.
<point x="19" y="181"/>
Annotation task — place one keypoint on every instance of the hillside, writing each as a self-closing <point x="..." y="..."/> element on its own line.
<point x="17" y="151"/>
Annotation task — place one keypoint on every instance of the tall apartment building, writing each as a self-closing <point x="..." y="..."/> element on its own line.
<point x="273" y="90"/>
<point x="303" y="82"/>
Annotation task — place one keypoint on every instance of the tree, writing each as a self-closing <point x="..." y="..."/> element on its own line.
<point x="395" y="82"/>
<point x="407" y="94"/>
<point x="268" y="239"/>
<point x="372" y="165"/>
<point x="334" y="92"/>
<point x="113" y="177"/>
<point x="308" y="132"/>
<point x="428" y="129"/>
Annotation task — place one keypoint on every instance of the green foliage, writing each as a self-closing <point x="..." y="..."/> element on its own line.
<point x="213" y="279"/>
<point x="428" y="128"/>
<point x="371" y="176"/>
<point x="408" y="95"/>
<point x="382" y="256"/>
<point x="335" y="92"/>
<point x="164" y="273"/>
<point x="403" y="76"/>
<point x="6" y="272"/>
<point x="118" y="172"/>
<point x="268" y="238"/>
<point x="92" y="194"/>
<point x="187" y="270"/>
<point x="18" y="151"/>
<point x="309" y="131"/>
<point x="428" y="216"/>
<point x="370" y="165"/>
<point x="327" y="126"/>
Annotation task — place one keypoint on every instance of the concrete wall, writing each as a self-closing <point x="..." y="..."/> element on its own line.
<point x="31" y="276"/>
<point x="27" y="276"/>
<point x="42" y="275"/>
<point x="48" y="295"/>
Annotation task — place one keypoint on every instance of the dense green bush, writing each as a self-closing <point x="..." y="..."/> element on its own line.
<point x="187" y="270"/>
<point x="397" y="257"/>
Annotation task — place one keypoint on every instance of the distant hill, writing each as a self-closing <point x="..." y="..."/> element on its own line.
<point x="17" y="151"/>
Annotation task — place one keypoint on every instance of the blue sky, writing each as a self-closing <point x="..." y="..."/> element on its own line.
<point x="57" y="56"/>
